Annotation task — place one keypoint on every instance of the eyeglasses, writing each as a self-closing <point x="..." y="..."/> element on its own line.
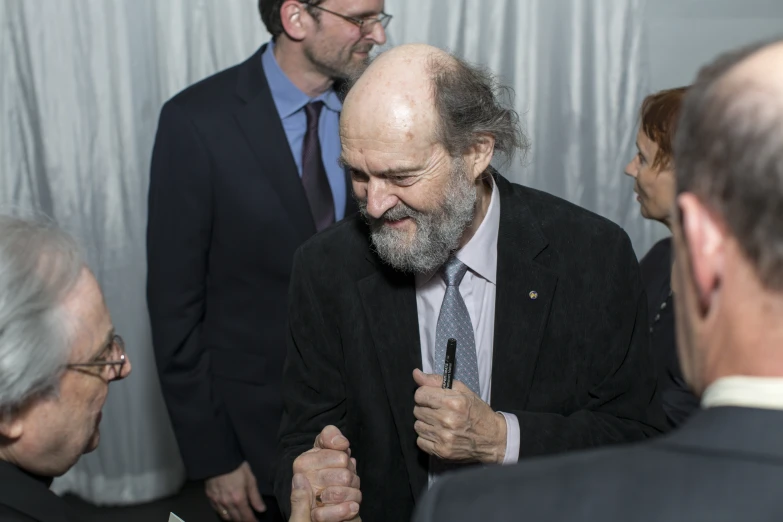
<point x="365" y="25"/>
<point x="111" y="359"/>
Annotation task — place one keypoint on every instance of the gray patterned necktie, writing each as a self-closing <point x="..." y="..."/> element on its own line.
<point x="454" y="322"/>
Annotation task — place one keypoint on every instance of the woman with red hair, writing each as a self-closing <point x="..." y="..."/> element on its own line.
<point x="653" y="172"/>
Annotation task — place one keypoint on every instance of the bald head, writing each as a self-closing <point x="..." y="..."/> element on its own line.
<point x="729" y="151"/>
<point x="394" y="96"/>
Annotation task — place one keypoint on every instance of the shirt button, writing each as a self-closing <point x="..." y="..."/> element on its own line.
<point x="663" y="306"/>
<point x="657" y="316"/>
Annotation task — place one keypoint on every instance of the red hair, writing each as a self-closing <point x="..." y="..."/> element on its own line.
<point x="659" y="115"/>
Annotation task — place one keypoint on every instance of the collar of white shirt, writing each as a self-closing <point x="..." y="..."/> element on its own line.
<point x="745" y="392"/>
<point x="480" y="253"/>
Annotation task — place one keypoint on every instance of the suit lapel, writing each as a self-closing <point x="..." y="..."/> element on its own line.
<point x="389" y="300"/>
<point x="524" y="294"/>
<point x="263" y="129"/>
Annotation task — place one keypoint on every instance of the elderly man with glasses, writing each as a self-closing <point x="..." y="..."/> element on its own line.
<point x="58" y="354"/>
<point x="245" y="169"/>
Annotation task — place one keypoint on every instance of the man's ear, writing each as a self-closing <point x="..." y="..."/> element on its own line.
<point x="292" y="14"/>
<point x="705" y="238"/>
<point x="479" y="155"/>
<point x="11" y="426"/>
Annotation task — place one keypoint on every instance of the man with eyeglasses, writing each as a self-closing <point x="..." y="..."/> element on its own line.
<point x="244" y="171"/>
<point x="58" y="354"/>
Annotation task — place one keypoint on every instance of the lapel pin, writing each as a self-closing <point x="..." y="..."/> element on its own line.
<point x="533" y="295"/>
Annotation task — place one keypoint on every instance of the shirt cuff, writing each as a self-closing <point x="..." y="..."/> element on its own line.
<point x="512" y="439"/>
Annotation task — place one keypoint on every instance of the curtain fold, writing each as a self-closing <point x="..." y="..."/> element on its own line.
<point x="82" y="86"/>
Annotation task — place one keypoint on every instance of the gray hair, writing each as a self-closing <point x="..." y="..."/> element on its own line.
<point x="729" y="153"/>
<point x="39" y="265"/>
<point x="469" y="102"/>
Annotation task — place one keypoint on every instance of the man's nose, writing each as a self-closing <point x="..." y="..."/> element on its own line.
<point x="378" y="34"/>
<point x="379" y="198"/>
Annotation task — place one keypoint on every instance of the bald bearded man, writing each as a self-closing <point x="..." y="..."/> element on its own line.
<point x="543" y="297"/>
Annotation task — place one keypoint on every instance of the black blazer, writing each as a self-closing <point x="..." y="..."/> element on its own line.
<point x="227" y="211"/>
<point x="573" y="365"/>
<point x="677" y="399"/>
<point x="25" y="498"/>
<point x="723" y="465"/>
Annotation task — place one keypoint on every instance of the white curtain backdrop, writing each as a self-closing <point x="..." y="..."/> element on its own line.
<point x="82" y="83"/>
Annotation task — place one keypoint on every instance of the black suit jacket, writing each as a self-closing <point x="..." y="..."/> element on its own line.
<point x="227" y="211"/>
<point x="25" y="498"/>
<point x="722" y="465"/>
<point x="573" y="365"/>
<point x="677" y="399"/>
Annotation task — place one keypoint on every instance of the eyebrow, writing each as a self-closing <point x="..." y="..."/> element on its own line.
<point x="640" y="150"/>
<point x="384" y="173"/>
<point x="106" y="343"/>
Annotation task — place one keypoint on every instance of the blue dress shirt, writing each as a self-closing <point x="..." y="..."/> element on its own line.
<point x="290" y="102"/>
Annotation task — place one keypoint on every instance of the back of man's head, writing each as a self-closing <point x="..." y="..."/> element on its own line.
<point x="728" y="274"/>
<point x="730" y="151"/>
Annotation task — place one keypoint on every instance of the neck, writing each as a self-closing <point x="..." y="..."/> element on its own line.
<point x="750" y="341"/>
<point x="482" y="204"/>
<point x="299" y="69"/>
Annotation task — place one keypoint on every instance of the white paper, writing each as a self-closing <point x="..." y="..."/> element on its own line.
<point x="175" y="518"/>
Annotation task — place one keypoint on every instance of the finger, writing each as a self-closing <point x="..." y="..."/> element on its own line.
<point x="222" y="512"/>
<point x="324" y="478"/>
<point x="321" y="459"/>
<point x="242" y="508"/>
<point x="233" y="513"/>
<point x="331" y="438"/>
<point x="336" y="513"/>
<point x="427" y="379"/>
<point x="427" y="446"/>
<point x="338" y="494"/>
<point x="427" y="415"/>
<point x="255" y="497"/>
<point x="352" y="467"/>
<point x="301" y="499"/>
<point x="430" y="397"/>
<point x="426" y="431"/>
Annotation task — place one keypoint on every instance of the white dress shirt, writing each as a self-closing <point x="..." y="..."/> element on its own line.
<point x="478" y="289"/>
<point x="745" y="392"/>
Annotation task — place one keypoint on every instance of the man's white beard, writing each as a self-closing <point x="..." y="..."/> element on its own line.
<point x="437" y="233"/>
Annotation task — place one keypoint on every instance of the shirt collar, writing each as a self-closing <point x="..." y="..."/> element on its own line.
<point x="745" y="392"/>
<point x="480" y="254"/>
<point x="287" y="96"/>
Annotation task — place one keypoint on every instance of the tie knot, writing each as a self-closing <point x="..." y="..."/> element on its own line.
<point x="313" y="111"/>
<point x="453" y="271"/>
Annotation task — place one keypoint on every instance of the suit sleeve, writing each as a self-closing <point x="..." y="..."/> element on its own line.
<point x="178" y="238"/>
<point x="623" y="403"/>
<point x="313" y="390"/>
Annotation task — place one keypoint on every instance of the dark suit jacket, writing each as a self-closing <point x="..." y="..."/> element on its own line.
<point x="677" y="399"/>
<point x="25" y="498"/>
<point x="722" y="465"/>
<point x="573" y="365"/>
<point x="227" y="211"/>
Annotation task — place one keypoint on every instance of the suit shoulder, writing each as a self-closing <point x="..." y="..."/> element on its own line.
<point x="214" y="93"/>
<point x="556" y="212"/>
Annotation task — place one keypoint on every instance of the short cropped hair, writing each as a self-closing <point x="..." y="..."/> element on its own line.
<point x="658" y="118"/>
<point x="270" y="14"/>
<point x="39" y="265"/>
<point x="729" y="153"/>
